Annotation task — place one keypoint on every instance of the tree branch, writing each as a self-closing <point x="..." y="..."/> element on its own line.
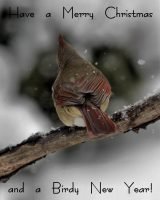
<point x="133" y="117"/>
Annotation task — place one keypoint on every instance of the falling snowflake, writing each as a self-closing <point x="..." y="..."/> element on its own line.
<point x="141" y="62"/>
<point x="85" y="51"/>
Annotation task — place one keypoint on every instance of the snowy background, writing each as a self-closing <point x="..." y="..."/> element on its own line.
<point x="126" y="50"/>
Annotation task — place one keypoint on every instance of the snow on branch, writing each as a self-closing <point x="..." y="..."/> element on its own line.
<point x="36" y="147"/>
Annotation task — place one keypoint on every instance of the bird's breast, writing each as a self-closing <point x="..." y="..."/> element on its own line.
<point x="70" y="115"/>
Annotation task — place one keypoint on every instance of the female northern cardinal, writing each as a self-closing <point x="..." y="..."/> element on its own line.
<point x="81" y="93"/>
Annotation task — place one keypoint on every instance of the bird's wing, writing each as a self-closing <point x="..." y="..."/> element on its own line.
<point x="94" y="88"/>
<point x="64" y="95"/>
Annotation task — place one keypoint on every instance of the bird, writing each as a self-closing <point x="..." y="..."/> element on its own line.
<point x="81" y="93"/>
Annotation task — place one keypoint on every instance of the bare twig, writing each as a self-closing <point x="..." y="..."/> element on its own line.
<point x="134" y="117"/>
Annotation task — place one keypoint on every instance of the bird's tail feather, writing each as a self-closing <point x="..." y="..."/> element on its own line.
<point x="97" y="121"/>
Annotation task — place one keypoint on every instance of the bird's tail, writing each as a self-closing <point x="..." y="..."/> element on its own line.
<point x="97" y="121"/>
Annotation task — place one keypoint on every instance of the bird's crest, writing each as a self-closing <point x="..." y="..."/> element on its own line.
<point x="61" y="41"/>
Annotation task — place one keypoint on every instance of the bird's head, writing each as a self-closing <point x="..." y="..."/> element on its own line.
<point x="66" y="53"/>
